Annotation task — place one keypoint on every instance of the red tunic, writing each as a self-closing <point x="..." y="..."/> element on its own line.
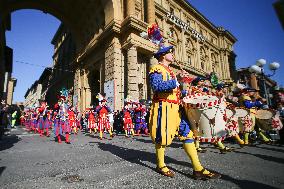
<point x="91" y="121"/>
<point x="103" y="122"/>
<point x="127" y="120"/>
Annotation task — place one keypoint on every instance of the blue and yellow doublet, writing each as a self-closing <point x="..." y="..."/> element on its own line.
<point x="165" y="118"/>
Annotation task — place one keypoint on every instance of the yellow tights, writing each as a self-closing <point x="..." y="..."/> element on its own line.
<point x="191" y="152"/>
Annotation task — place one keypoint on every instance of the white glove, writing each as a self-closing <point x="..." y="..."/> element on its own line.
<point x="177" y="83"/>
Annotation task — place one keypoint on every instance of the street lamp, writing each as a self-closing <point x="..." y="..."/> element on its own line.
<point x="259" y="70"/>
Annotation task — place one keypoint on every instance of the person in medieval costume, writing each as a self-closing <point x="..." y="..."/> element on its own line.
<point x="247" y="102"/>
<point x="56" y="123"/>
<point x="127" y="120"/>
<point x="72" y="120"/>
<point x="61" y="125"/>
<point x="78" y="119"/>
<point x="64" y="120"/>
<point x="42" y="120"/>
<point x="34" y="117"/>
<point x="49" y="118"/>
<point x="166" y="120"/>
<point x="198" y="87"/>
<point x="140" y="121"/>
<point x="103" y="123"/>
<point x="232" y="125"/>
<point x="92" y="123"/>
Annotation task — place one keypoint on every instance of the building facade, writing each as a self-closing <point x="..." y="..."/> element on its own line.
<point x="120" y="63"/>
<point x="62" y="72"/>
<point x="110" y="56"/>
<point x="10" y="91"/>
<point x="33" y="95"/>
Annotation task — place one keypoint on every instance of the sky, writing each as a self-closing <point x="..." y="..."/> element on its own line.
<point x="30" y="37"/>
<point x="253" y="22"/>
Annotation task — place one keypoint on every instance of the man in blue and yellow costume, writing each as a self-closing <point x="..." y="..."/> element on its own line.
<point x="166" y="120"/>
<point x="246" y="101"/>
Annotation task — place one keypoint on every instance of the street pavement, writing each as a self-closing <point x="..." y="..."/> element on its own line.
<point x="30" y="161"/>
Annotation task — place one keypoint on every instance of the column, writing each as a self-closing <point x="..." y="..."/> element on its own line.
<point x="210" y="68"/>
<point x="150" y="11"/>
<point x="253" y="81"/>
<point x="198" y="62"/>
<point x="227" y="67"/>
<point x="130" y="7"/>
<point x="220" y="67"/>
<point x="132" y="88"/>
<point x="183" y="49"/>
<point x="77" y="88"/>
<point x="114" y="72"/>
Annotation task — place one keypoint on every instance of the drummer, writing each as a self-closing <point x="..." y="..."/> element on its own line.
<point x="198" y="87"/>
<point x="246" y="101"/>
<point x="221" y="90"/>
<point x="165" y="119"/>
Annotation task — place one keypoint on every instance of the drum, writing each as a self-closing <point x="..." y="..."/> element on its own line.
<point x="244" y="119"/>
<point x="264" y="114"/>
<point x="232" y="127"/>
<point x="268" y="120"/>
<point x="206" y="117"/>
<point x="241" y="112"/>
<point x="230" y="113"/>
<point x="276" y="122"/>
<point x="245" y="123"/>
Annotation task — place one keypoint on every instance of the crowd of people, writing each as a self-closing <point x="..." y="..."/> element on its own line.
<point x="64" y="119"/>
<point x="8" y="118"/>
<point x="194" y="110"/>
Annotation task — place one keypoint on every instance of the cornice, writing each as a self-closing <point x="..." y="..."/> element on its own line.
<point x="131" y="22"/>
<point x="137" y="41"/>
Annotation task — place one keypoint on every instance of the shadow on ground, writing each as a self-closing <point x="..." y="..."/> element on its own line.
<point x="139" y="157"/>
<point x="265" y="157"/>
<point x="272" y="149"/>
<point x="8" y="141"/>
<point x="2" y="169"/>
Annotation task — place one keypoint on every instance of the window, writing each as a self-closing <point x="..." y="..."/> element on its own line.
<point x="202" y="65"/>
<point x="172" y="10"/>
<point x="189" y="60"/>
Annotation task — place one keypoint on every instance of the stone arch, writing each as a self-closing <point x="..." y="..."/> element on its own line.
<point x="71" y="13"/>
<point x="173" y="35"/>
<point x="49" y="7"/>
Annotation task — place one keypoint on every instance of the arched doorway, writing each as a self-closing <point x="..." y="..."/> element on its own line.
<point x="84" y="20"/>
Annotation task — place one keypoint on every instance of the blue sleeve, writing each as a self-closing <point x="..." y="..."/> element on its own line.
<point x="258" y="104"/>
<point x="98" y="108"/>
<point x="108" y="108"/>
<point x="250" y="104"/>
<point x="158" y="85"/>
<point x="184" y="93"/>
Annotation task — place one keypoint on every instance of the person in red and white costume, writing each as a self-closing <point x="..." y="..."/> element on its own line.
<point x="127" y="120"/>
<point x="103" y="121"/>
